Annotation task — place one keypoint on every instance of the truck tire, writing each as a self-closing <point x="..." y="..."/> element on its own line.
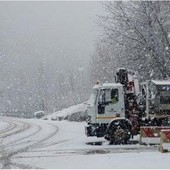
<point x="119" y="131"/>
<point x="119" y="136"/>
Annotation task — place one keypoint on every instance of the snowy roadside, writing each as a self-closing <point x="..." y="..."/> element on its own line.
<point x="73" y="113"/>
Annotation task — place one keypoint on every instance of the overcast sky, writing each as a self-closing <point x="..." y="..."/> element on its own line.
<point x="61" y="33"/>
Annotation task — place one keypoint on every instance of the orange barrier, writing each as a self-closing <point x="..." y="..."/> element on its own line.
<point x="151" y="131"/>
<point x="164" y="138"/>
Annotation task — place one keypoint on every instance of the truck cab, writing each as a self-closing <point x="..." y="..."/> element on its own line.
<point x="105" y="104"/>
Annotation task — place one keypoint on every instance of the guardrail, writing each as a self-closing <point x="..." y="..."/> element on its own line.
<point x="151" y="133"/>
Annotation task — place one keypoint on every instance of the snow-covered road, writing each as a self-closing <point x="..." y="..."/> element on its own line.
<point x="19" y="135"/>
<point x="31" y="143"/>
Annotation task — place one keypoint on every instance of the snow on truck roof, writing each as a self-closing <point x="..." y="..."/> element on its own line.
<point x="161" y="82"/>
<point x="108" y="85"/>
<point x="112" y="84"/>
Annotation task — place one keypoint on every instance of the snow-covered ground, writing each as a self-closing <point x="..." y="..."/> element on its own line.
<point x="33" y="143"/>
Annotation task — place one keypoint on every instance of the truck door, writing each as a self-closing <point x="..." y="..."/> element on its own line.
<point x="108" y="105"/>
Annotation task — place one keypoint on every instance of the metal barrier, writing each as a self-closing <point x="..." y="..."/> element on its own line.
<point x="151" y="132"/>
<point x="164" y="138"/>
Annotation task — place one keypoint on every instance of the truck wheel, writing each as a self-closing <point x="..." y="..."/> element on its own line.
<point x="119" y="132"/>
<point x="120" y="136"/>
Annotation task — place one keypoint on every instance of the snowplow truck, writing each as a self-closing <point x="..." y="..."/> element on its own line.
<point x="117" y="110"/>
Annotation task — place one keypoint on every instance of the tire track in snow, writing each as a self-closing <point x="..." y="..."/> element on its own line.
<point x="9" y="128"/>
<point x="73" y="152"/>
<point x="6" y="157"/>
<point x="15" y="128"/>
<point x="13" y="143"/>
<point x="54" y="143"/>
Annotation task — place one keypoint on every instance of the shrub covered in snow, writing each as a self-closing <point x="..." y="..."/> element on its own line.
<point x="39" y="114"/>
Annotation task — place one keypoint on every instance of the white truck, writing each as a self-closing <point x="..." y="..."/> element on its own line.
<point x="116" y="112"/>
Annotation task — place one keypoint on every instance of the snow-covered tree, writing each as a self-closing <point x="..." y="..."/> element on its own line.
<point x="137" y="33"/>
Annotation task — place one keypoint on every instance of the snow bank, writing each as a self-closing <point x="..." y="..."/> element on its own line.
<point x="76" y="113"/>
